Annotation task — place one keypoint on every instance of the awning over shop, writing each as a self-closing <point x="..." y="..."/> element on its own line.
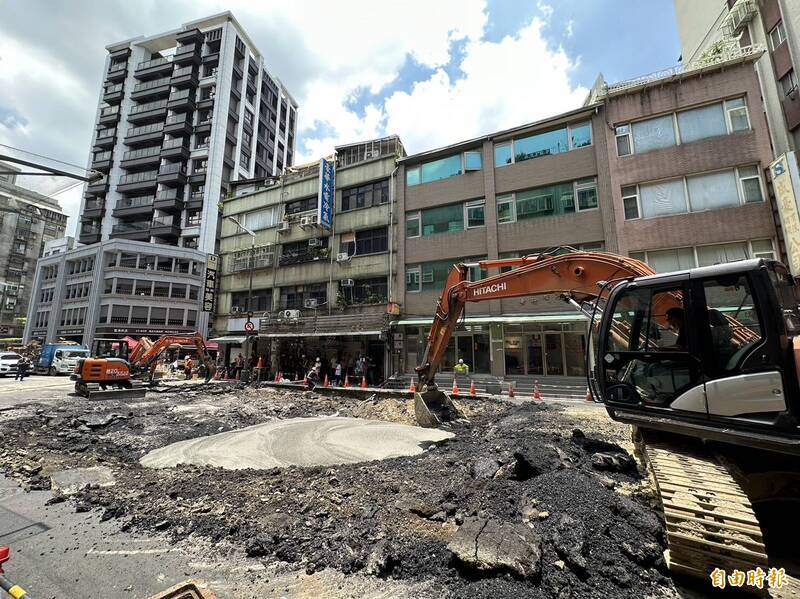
<point x="562" y="317"/>
<point x="320" y="334"/>
<point x="232" y="340"/>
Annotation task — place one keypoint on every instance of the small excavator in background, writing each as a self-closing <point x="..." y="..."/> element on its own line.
<point x="114" y="365"/>
<point x="703" y="363"/>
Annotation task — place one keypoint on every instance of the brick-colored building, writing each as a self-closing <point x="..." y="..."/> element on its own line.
<point x="668" y="168"/>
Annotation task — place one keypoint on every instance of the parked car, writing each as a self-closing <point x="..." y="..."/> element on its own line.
<point x="8" y="362"/>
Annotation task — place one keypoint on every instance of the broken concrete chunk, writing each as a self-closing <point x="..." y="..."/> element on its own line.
<point x="613" y="462"/>
<point x="69" y="482"/>
<point x="380" y="560"/>
<point x="101" y="420"/>
<point x="484" y="468"/>
<point x="568" y="540"/>
<point x="493" y="546"/>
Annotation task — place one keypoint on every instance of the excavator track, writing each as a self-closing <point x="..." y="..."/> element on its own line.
<point x="709" y="519"/>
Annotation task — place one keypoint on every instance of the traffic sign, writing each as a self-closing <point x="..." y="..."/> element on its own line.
<point x="249" y="326"/>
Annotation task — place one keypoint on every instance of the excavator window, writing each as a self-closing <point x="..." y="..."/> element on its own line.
<point x="646" y="351"/>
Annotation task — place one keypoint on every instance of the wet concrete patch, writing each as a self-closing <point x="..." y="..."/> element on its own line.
<point x="73" y="480"/>
<point x="299" y="441"/>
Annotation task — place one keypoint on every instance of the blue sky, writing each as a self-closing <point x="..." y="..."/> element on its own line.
<point x="433" y="72"/>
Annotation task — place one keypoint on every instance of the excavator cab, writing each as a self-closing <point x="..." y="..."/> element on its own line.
<point x="708" y="352"/>
<point x="108" y="366"/>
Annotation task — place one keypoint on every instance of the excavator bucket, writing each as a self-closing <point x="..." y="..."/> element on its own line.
<point x="433" y="407"/>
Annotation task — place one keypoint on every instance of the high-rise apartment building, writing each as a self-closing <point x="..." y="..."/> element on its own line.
<point x="181" y="114"/>
<point x="709" y="29"/>
<point x="28" y="220"/>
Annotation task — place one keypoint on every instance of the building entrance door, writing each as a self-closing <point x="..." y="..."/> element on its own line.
<point x="535" y="355"/>
<point x="554" y="356"/>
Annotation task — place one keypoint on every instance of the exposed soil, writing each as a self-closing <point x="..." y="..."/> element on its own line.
<point x="569" y="497"/>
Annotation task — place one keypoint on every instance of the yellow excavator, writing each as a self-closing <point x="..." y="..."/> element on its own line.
<point x="704" y="363"/>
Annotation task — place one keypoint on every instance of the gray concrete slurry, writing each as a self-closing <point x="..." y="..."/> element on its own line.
<point x="324" y="441"/>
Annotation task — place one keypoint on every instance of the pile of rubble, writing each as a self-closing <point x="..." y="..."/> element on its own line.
<point x="521" y="502"/>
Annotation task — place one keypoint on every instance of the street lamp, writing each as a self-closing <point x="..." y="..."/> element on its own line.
<point x="252" y="265"/>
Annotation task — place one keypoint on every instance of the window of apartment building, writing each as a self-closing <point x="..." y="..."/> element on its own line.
<point x="304" y="205"/>
<point x="442" y="219"/>
<point x="475" y="213"/>
<point x="175" y="316"/>
<point x="705" y="255"/>
<point x="261" y="219"/>
<point x="444" y="168"/>
<point x="557" y="141"/>
<point x="247" y="139"/>
<point x="789" y="83"/>
<point x="293" y="298"/>
<point x="261" y="301"/>
<point x="549" y="200"/>
<point x="369" y="241"/>
<point x="178" y="291"/>
<point x="366" y="291"/>
<point x="364" y="196"/>
<point x="686" y="126"/>
<point x="413" y="279"/>
<point x="119" y="314"/>
<point x="777" y="36"/>
<point x="191" y="318"/>
<point x="706" y="191"/>
<point x="158" y="316"/>
<point x="139" y="314"/>
<point x="248" y="119"/>
<point x="430" y="276"/>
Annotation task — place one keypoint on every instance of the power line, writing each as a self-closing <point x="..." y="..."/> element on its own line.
<point x="83" y="168"/>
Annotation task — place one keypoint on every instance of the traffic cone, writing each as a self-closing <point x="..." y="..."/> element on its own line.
<point x="237" y="374"/>
<point x="277" y="377"/>
<point x="346" y="382"/>
<point x="227" y="375"/>
<point x="413" y="386"/>
<point x="537" y="396"/>
<point x="327" y="382"/>
<point x="260" y="363"/>
<point x="363" y="382"/>
<point x="511" y="390"/>
<point x="217" y="375"/>
<point x="455" y="390"/>
<point x="589" y="395"/>
<point x="472" y="388"/>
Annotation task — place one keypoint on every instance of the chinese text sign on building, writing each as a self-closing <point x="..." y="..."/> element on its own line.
<point x="211" y="283"/>
<point x="784" y="180"/>
<point x="325" y="197"/>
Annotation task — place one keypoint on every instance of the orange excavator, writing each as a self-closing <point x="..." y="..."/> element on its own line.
<point x="704" y="363"/>
<point x="114" y="365"/>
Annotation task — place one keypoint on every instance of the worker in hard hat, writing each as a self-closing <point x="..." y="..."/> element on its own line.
<point x="461" y="367"/>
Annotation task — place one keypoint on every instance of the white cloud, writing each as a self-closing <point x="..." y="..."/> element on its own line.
<point x="517" y="80"/>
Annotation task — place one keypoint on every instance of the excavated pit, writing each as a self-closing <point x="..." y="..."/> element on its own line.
<point x="299" y="442"/>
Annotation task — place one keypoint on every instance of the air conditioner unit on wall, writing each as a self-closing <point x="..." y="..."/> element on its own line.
<point x="235" y="309"/>
<point x="284" y="226"/>
<point x="310" y="303"/>
<point x="308" y="221"/>
<point x="314" y="242"/>
<point x="342" y="257"/>
<point x="347" y="282"/>
<point x="290" y="314"/>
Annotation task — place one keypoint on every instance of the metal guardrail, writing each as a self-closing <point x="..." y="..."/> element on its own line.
<point x="338" y="323"/>
<point x="726" y="54"/>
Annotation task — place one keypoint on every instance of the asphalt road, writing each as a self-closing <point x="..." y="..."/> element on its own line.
<point x="34" y="388"/>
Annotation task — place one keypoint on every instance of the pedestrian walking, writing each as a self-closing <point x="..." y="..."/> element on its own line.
<point x="22" y="368"/>
<point x="337" y="373"/>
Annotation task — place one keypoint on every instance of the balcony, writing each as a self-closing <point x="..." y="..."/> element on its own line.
<point x="165" y="226"/>
<point x="198" y="175"/>
<point x="206" y="103"/>
<point x="94" y="208"/>
<point x="185" y="77"/>
<point x="109" y="115"/>
<point x="309" y="255"/>
<point x="143" y="157"/>
<point x="148" y="112"/>
<point x="195" y="200"/>
<point x="145" y="181"/>
<point x="181" y="100"/>
<point x="88" y="235"/>
<point x="101" y="161"/>
<point x="175" y="149"/>
<point x="211" y="57"/>
<point x="172" y="174"/>
<point x="117" y="71"/>
<point x="136" y="231"/>
<point x="157" y="88"/>
<point x="112" y="94"/>
<point x="203" y="126"/>
<point x="154" y="68"/>
<point x="105" y="138"/>
<point x="139" y="206"/>
<point x="145" y="134"/>
<point x="169" y="201"/>
<point x="187" y="54"/>
<point x="97" y="187"/>
<point x="178" y="124"/>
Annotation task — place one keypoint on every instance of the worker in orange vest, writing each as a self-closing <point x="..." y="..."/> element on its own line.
<point x="187" y="367"/>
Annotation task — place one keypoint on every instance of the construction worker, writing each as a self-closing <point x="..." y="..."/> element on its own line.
<point x="187" y="367"/>
<point x="461" y="367"/>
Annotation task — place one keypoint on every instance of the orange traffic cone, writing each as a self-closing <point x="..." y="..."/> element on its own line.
<point x="363" y="382"/>
<point x="455" y="390"/>
<point x="237" y="374"/>
<point x="511" y="390"/>
<point x="327" y="383"/>
<point x="217" y="375"/>
<point x="413" y="386"/>
<point x="472" y="388"/>
<point x="536" y="395"/>
<point x="589" y="395"/>
<point x="260" y="363"/>
<point x="346" y="382"/>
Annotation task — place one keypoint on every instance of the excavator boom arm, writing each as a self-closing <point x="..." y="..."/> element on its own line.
<point x="578" y="275"/>
<point x="146" y="358"/>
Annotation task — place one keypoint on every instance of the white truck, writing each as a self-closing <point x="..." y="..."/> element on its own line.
<point x="57" y="358"/>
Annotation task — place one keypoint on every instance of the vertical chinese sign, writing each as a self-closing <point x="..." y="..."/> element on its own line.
<point x="325" y="197"/>
<point x="210" y="288"/>
<point x="785" y="182"/>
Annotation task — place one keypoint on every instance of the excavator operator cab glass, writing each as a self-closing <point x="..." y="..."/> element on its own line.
<point x="111" y="348"/>
<point x="644" y="355"/>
